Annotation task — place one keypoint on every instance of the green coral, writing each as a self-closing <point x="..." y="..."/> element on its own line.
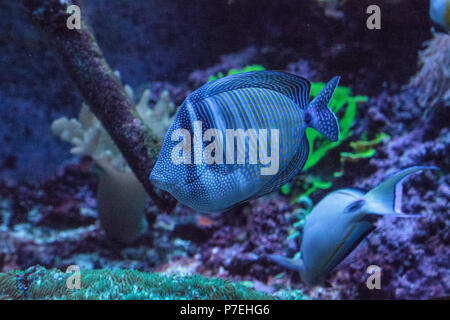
<point x="40" y="283"/>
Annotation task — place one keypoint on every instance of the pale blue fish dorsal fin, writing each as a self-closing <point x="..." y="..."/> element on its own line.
<point x="291" y="264"/>
<point x="386" y="198"/>
<point x="323" y="119"/>
<point x="286" y="174"/>
<point x="295" y="87"/>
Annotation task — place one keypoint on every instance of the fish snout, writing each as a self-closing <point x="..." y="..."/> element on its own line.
<point x="159" y="180"/>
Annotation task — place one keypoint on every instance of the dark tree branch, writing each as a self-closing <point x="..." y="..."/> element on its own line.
<point x="84" y="62"/>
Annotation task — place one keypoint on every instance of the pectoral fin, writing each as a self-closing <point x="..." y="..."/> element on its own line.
<point x="291" y="264"/>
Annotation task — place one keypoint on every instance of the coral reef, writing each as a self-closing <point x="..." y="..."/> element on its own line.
<point x="54" y="221"/>
<point x="121" y="199"/>
<point x="39" y="283"/>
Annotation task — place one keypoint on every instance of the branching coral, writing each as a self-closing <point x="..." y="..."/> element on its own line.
<point x="158" y="118"/>
<point x="40" y="283"/>
<point x="120" y="197"/>
<point x="363" y="149"/>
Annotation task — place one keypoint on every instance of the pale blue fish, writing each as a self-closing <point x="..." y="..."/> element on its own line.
<point x="254" y="100"/>
<point x="440" y="14"/>
<point x="339" y="222"/>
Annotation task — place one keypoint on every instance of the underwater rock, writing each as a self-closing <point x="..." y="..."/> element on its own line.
<point x="244" y="236"/>
<point x="303" y="68"/>
<point x="227" y="62"/>
<point x="49" y="206"/>
<point x="252" y="55"/>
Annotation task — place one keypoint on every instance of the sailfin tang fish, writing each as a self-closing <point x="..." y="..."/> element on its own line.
<point x="266" y="112"/>
<point x="338" y="224"/>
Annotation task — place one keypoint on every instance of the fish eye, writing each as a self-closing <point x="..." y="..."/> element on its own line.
<point x="307" y="118"/>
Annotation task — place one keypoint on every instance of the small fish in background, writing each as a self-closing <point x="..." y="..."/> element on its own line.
<point x="440" y="14"/>
<point x="259" y="100"/>
<point x="339" y="222"/>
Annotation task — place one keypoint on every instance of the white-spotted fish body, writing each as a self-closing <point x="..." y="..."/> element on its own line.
<point x="258" y="101"/>
<point x="339" y="222"/>
<point x="440" y="14"/>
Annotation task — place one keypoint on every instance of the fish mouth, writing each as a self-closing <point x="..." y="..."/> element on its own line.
<point x="160" y="182"/>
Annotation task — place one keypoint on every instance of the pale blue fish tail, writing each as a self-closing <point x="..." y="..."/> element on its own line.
<point x="386" y="198"/>
<point x="322" y="118"/>
<point x="291" y="264"/>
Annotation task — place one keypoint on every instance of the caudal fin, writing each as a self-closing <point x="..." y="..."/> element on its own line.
<point x="321" y="117"/>
<point x="386" y="198"/>
<point x="291" y="264"/>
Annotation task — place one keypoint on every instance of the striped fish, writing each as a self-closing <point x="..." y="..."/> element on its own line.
<point x="271" y="108"/>
<point x="340" y="221"/>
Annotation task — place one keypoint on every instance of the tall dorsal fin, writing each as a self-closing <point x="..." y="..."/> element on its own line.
<point x="295" y="87"/>
<point x="386" y="198"/>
